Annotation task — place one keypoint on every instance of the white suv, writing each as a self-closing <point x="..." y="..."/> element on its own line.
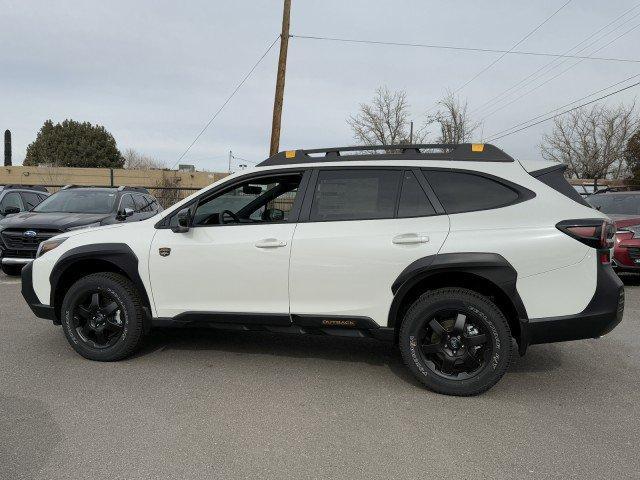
<point x="448" y="251"/>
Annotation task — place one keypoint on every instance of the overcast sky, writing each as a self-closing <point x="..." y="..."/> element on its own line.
<point x="154" y="72"/>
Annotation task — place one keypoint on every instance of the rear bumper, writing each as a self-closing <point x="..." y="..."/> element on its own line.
<point x="43" y="311"/>
<point x="602" y="315"/>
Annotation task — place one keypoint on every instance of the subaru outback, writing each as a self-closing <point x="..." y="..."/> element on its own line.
<point x="458" y="254"/>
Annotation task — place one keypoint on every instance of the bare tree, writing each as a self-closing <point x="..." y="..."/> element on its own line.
<point x="592" y="142"/>
<point x="136" y="161"/>
<point x="453" y="120"/>
<point x="385" y="121"/>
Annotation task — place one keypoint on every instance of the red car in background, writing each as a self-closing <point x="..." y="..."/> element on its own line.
<point x="624" y="209"/>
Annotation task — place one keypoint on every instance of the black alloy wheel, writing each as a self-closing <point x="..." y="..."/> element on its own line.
<point x="455" y="344"/>
<point x="102" y="316"/>
<point x="455" y="341"/>
<point x="98" y="319"/>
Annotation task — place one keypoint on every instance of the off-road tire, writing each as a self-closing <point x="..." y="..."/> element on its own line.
<point x="132" y="309"/>
<point x="497" y="328"/>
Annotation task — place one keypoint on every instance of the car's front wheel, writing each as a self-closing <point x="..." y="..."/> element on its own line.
<point x="456" y="341"/>
<point x="102" y="317"/>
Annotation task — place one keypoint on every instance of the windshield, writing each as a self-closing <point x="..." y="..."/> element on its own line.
<point x="618" y="204"/>
<point x="78" y="201"/>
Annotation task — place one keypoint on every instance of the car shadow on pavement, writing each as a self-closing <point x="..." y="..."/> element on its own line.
<point x="630" y="279"/>
<point x="367" y="351"/>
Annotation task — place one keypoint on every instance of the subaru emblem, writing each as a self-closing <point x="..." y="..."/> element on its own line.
<point x="30" y="234"/>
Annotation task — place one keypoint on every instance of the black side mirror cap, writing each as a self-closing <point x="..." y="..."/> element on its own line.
<point x="183" y="219"/>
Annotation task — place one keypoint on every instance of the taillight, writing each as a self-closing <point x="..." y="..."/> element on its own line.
<point x="594" y="232"/>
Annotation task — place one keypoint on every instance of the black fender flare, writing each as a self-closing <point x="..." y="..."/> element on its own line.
<point x="119" y="255"/>
<point x="490" y="266"/>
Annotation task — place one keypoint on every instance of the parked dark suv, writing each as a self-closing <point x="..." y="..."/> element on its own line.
<point x="18" y="198"/>
<point x="72" y="208"/>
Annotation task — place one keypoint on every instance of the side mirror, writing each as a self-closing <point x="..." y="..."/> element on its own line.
<point x="11" y="210"/>
<point x="126" y="213"/>
<point x="183" y="221"/>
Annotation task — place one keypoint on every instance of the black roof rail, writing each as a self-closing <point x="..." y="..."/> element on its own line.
<point x="122" y="188"/>
<point x="474" y="152"/>
<point x="37" y="188"/>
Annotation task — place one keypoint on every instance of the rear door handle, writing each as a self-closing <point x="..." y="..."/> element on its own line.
<point x="270" y="243"/>
<point x="410" y="239"/>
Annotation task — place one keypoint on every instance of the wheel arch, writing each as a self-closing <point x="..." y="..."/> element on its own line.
<point x="87" y="259"/>
<point x="489" y="274"/>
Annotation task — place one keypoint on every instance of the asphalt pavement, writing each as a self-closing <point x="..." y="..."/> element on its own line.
<point x="213" y="404"/>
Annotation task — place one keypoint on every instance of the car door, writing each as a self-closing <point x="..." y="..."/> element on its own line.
<point x="234" y="259"/>
<point x="359" y="228"/>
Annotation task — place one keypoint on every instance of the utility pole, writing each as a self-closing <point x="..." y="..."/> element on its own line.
<point x="282" y="68"/>
<point x="411" y="134"/>
<point x="230" y="158"/>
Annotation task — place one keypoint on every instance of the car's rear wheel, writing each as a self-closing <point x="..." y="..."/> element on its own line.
<point x="12" y="270"/>
<point x="102" y="317"/>
<point x="456" y="341"/>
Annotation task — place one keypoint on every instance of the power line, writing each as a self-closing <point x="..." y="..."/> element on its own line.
<point x="568" y="104"/>
<point x="465" y="49"/>
<point x="493" y="138"/>
<point x="235" y="90"/>
<point x="554" y="77"/>
<point x="235" y="157"/>
<point x="545" y="67"/>
<point x="513" y="47"/>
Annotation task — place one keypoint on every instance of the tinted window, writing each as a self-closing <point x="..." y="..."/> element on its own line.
<point x="554" y="177"/>
<point x="413" y="200"/>
<point x="355" y="195"/>
<point x="126" y="202"/>
<point x="465" y="192"/>
<point x="30" y="200"/>
<point x="142" y="205"/>
<point x="153" y="205"/>
<point x="79" y="200"/>
<point x="11" y="199"/>
<point x="265" y="199"/>
<point x="616" y="204"/>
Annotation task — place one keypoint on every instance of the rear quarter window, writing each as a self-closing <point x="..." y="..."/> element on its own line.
<point x="460" y="191"/>
<point x="554" y="177"/>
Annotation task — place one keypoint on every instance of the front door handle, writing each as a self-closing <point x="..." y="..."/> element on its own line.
<point x="410" y="239"/>
<point x="270" y="243"/>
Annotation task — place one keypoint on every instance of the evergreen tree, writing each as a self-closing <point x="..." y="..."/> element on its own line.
<point x="74" y="144"/>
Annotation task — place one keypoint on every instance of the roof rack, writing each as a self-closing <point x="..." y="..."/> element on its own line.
<point x="38" y="188"/>
<point x="475" y="152"/>
<point x="122" y="188"/>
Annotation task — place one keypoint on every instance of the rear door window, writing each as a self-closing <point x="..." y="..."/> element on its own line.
<point x="467" y="192"/>
<point x="413" y="200"/>
<point x="30" y="200"/>
<point x="358" y="194"/>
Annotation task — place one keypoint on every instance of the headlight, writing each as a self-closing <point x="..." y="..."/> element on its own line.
<point x="49" y="245"/>
<point x="81" y="227"/>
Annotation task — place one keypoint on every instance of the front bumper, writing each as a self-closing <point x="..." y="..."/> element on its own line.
<point x="15" y="261"/>
<point x="29" y="294"/>
<point x="602" y="314"/>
